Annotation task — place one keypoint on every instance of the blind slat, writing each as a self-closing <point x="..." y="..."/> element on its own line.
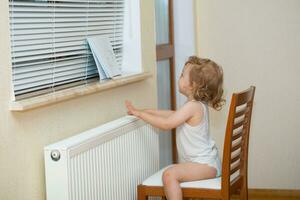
<point x="57" y="52"/>
<point x="28" y="50"/>
<point x="58" y="30"/>
<point x="38" y="41"/>
<point x="64" y="15"/>
<point x="70" y="35"/>
<point x="73" y="4"/>
<point x="39" y="22"/>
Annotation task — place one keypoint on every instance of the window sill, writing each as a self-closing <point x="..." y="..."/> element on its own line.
<point x="52" y="98"/>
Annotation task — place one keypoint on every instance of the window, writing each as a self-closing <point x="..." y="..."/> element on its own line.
<point x="48" y="39"/>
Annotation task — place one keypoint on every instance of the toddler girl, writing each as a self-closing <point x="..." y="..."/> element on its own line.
<point x="201" y="82"/>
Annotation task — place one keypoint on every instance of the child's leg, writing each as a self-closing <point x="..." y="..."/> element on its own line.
<point x="183" y="173"/>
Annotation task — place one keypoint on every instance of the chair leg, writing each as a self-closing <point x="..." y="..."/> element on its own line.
<point x="141" y="193"/>
<point x="244" y="194"/>
<point x="244" y="190"/>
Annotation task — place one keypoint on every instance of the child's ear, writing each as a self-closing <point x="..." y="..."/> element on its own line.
<point x="192" y="85"/>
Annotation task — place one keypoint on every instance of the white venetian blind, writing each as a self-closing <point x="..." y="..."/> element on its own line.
<point x="49" y="47"/>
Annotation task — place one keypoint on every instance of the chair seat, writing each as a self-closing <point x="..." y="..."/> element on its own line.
<point x="156" y="180"/>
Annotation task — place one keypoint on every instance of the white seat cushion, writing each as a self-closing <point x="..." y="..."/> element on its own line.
<point x="156" y="180"/>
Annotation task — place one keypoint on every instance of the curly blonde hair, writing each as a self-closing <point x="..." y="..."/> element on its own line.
<point x="206" y="79"/>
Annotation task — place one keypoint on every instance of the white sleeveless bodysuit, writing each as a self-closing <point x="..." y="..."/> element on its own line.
<point x="194" y="143"/>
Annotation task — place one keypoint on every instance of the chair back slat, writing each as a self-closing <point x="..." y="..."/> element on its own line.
<point x="245" y="96"/>
<point x="235" y="153"/>
<point x="238" y="124"/>
<point x="236" y="146"/>
<point x="235" y="158"/>
<point x="237" y="135"/>
<point x="241" y="112"/>
<point x="235" y="167"/>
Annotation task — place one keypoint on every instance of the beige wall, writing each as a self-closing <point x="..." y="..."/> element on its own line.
<point x="257" y="43"/>
<point x="23" y="135"/>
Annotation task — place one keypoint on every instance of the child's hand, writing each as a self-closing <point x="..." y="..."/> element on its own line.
<point x="130" y="109"/>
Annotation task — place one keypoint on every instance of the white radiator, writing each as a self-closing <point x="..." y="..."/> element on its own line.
<point x="104" y="163"/>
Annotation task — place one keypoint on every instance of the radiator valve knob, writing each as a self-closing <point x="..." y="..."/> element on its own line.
<point x="55" y="155"/>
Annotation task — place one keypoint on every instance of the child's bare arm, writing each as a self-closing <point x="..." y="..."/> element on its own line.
<point x="162" y="113"/>
<point x="166" y="123"/>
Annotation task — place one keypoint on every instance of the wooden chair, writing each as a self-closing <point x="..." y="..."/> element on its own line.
<point x="235" y="158"/>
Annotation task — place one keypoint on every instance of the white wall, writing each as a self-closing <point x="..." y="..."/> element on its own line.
<point x="258" y="43"/>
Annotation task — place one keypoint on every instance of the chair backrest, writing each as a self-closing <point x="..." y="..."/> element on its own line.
<point x="235" y="152"/>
